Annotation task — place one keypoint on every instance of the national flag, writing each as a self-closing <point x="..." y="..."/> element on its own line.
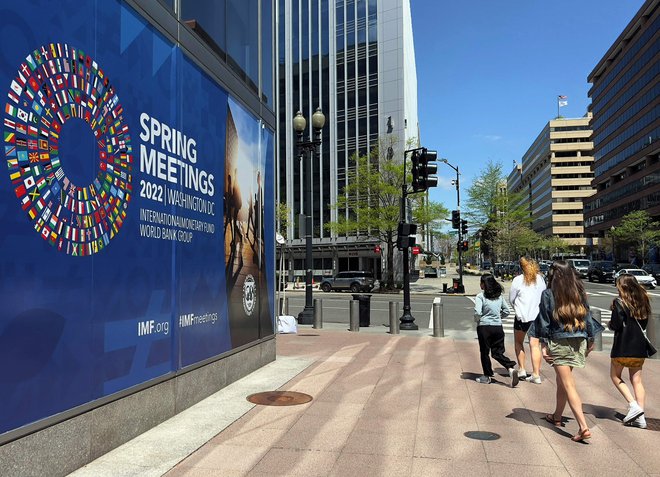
<point x="21" y="128"/>
<point x="29" y="182"/>
<point x="43" y="144"/>
<point x="10" y="137"/>
<point x="13" y="96"/>
<point x="33" y="156"/>
<point x="22" y="115"/>
<point x="10" y="124"/>
<point x="9" y="109"/>
<point x="22" y="156"/>
<point x="10" y="151"/>
<point x="562" y="100"/>
<point x="32" y="144"/>
<point x="16" y="88"/>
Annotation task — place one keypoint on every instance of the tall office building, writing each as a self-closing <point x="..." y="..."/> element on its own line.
<point x="555" y="176"/>
<point x="355" y="60"/>
<point x="626" y="103"/>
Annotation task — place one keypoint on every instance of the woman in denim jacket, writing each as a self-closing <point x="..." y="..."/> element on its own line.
<point x="567" y="330"/>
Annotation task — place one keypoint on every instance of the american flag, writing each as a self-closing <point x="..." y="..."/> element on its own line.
<point x="562" y="100"/>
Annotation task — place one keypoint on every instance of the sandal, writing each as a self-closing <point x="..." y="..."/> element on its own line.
<point x="550" y="418"/>
<point x="582" y="435"/>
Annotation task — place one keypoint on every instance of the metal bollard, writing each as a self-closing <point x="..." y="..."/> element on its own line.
<point x="394" y="317"/>
<point x="598" y="340"/>
<point x="354" y="315"/>
<point x="318" y="313"/>
<point x="284" y="305"/>
<point x="438" y="320"/>
<point x="653" y="333"/>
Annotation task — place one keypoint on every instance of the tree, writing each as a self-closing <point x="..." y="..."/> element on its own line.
<point x="429" y="216"/>
<point x="638" y="230"/>
<point x="484" y="195"/>
<point x="282" y="218"/>
<point x="369" y="204"/>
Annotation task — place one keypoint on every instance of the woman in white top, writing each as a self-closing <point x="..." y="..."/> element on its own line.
<point x="525" y="296"/>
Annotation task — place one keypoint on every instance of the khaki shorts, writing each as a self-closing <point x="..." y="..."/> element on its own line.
<point x="629" y="362"/>
<point x="568" y="352"/>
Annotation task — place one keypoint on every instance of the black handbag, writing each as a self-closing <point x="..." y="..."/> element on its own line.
<point x="650" y="349"/>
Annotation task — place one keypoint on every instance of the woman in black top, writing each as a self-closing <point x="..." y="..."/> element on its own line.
<point x="630" y="312"/>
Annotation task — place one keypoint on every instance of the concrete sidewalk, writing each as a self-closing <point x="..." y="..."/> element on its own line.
<point x="395" y="405"/>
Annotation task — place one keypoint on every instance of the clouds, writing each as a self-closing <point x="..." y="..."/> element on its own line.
<point x="488" y="137"/>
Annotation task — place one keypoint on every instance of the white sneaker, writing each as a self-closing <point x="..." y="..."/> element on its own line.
<point x="634" y="411"/>
<point x="639" y="422"/>
<point x="533" y="379"/>
<point x="522" y="374"/>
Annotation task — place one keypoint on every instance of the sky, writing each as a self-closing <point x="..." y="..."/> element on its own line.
<point x="489" y="73"/>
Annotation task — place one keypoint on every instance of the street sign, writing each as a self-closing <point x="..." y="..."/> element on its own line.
<point x="416" y="250"/>
<point x="377" y="249"/>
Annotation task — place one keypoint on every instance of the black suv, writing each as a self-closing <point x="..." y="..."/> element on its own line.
<point x="601" y="271"/>
<point x="356" y="282"/>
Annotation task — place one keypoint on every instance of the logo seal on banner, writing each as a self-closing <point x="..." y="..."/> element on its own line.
<point x="54" y="84"/>
<point x="249" y="295"/>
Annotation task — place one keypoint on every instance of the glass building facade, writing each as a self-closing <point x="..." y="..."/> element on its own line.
<point x="355" y="60"/>
<point x="626" y="125"/>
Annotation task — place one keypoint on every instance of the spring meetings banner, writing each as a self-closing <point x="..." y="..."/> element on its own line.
<point x="134" y="238"/>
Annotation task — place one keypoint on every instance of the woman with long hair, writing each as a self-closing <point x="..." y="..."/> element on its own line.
<point x="525" y="297"/>
<point x="567" y="331"/>
<point x="630" y="313"/>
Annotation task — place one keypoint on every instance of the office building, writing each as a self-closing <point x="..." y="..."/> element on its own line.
<point x="625" y="96"/>
<point x="355" y="60"/>
<point x="555" y="176"/>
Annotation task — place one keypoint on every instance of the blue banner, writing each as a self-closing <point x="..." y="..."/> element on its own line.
<point x="135" y="241"/>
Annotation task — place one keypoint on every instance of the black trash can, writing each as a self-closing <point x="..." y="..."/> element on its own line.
<point x="365" y="308"/>
<point x="444" y="287"/>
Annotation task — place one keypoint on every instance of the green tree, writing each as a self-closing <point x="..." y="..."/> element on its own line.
<point x="369" y="203"/>
<point x="484" y="195"/>
<point x="638" y="230"/>
<point x="429" y="216"/>
<point x="282" y="211"/>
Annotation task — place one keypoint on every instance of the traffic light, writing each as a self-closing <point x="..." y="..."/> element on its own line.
<point x="424" y="168"/>
<point x="406" y="235"/>
<point x="464" y="228"/>
<point x="456" y="219"/>
<point x="463" y="246"/>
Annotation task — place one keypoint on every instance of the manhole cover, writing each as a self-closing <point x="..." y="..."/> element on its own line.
<point x="482" y="435"/>
<point x="279" y="398"/>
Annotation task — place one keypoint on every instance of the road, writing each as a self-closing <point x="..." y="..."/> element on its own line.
<point x="457" y="310"/>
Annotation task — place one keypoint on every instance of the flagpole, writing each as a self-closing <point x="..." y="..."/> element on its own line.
<point x="557" y="107"/>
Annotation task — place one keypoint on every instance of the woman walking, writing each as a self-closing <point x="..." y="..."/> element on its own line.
<point x="489" y="308"/>
<point x="525" y="297"/>
<point x="567" y="330"/>
<point x="630" y="313"/>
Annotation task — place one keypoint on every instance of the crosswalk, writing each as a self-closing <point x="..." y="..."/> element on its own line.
<point x="605" y="314"/>
<point x="606" y="293"/>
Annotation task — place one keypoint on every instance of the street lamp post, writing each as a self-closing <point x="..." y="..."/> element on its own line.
<point x="307" y="149"/>
<point x="612" y="229"/>
<point x="461" y="288"/>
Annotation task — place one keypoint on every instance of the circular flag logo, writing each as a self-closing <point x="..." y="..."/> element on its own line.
<point x="54" y="84"/>
<point x="249" y="295"/>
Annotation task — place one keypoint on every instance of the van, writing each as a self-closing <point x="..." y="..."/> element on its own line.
<point x="581" y="266"/>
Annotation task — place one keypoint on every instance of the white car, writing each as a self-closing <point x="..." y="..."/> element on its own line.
<point x="642" y="276"/>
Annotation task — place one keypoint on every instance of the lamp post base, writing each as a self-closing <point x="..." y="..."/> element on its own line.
<point x="408" y="323"/>
<point x="306" y="317"/>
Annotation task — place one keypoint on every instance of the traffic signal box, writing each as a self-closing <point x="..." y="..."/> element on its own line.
<point x="455" y="219"/>
<point x="463" y="246"/>
<point x="406" y="235"/>
<point x="423" y="169"/>
<point x="464" y="227"/>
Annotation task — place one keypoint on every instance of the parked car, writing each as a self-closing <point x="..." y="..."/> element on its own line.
<point x="486" y="265"/>
<point x="643" y="278"/>
<point x="430" y="272"/>
<point x="544" y="268"/>
<point x="498" y="269"/>
<point x="653" y="269"/>
<point x="581" y="266"/>
<point x="355" y="281"/>
<point x="601" y="271"/>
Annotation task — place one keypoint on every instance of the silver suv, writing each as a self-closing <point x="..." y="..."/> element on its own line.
<point x="356" y="282"/>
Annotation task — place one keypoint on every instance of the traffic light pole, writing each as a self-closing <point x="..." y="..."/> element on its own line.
<point x="461" y="288"/>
